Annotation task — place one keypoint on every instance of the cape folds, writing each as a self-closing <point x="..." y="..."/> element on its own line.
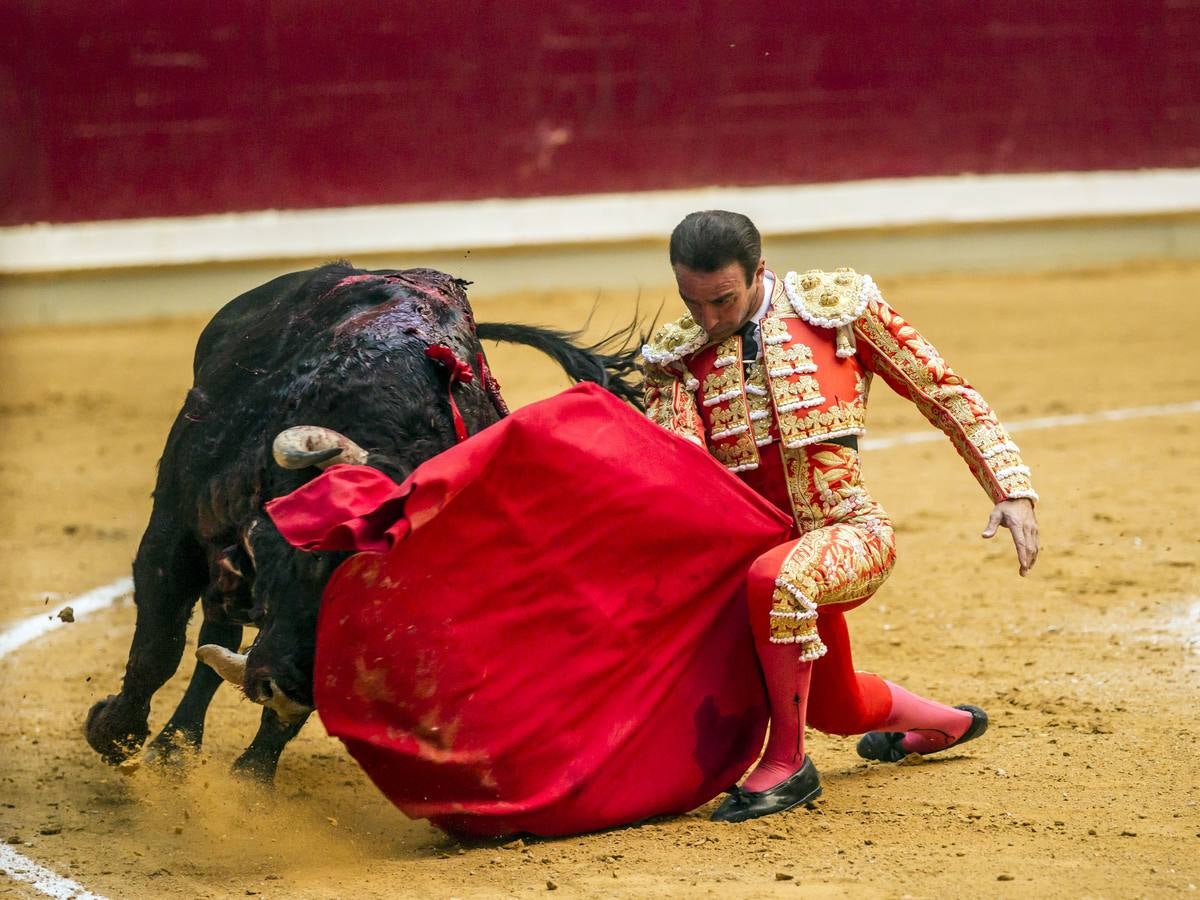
<point x="546" y="631"/>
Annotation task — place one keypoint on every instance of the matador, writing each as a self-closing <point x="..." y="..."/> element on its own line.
<point x="770" y="373"/>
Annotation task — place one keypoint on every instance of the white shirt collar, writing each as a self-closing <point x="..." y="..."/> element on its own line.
<point x="768" y="290"/>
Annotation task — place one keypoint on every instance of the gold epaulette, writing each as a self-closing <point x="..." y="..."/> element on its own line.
<point x="673" y="341"/>
<point x="828" y="299"/>
<point x="831" y="300"/>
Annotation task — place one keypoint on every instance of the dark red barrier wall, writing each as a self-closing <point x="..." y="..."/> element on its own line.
<point x="114" y="109"/>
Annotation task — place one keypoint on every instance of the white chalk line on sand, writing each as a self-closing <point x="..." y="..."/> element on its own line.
<point x="22" y="868"/>
<point x="41" y="879"/>
<point x="17" y="866"/>
<point x="31" y="629"/>
<point x="1063" y="421"/>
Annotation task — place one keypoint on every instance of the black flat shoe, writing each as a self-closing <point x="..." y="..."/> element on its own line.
<point x="885" y="745"/>
<point x="803" y="787"/>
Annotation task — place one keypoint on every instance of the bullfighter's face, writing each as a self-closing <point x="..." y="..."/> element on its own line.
<point x="721" y="302"/>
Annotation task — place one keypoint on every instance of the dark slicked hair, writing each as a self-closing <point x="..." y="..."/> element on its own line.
<point x="711" y="239"/>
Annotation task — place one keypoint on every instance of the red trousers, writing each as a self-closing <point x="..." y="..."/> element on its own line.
<point x="842" y="701"/>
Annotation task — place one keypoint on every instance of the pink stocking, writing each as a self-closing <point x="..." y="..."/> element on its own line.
<point x="787" y="689"/>
<point x="930" y="726"/>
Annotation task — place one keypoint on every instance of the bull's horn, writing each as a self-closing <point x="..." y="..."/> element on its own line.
<point x="311" y="445"/>
<point x="229" y="665"/>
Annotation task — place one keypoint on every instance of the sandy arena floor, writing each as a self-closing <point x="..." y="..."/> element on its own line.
<point x="1087" y="785"/>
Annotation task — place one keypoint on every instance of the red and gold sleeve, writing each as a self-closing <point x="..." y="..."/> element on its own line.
<point x="671" y="403"/>
<point x="890" y="347"/>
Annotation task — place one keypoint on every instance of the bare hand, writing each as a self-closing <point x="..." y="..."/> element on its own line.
<point x="1018" y="517"/>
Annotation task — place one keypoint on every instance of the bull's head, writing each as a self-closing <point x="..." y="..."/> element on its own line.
<point x="277" y="671"/>
<point x="232" y="667"/>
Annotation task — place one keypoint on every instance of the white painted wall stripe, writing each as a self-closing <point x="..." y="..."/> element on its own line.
<point x="13" y="638"/>
<point x="41" y="879"/>
<point x="646" y="215"/>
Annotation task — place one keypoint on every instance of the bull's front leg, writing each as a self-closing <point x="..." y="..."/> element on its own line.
<point x="168" y="574"/>
<point x="184" y="731"/>
<point x="261" y="758"/>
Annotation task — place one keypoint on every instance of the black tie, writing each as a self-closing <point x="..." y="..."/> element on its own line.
<point x="749" y="333"/>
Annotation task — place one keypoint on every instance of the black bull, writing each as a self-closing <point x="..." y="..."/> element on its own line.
<point x="336" y="347"/>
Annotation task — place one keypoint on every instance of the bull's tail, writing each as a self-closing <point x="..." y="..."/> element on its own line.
<point x="610" y="363"/>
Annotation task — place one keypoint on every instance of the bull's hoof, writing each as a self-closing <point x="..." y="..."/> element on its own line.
<point x="256" y="768"/>
<point x="116" y="731"/>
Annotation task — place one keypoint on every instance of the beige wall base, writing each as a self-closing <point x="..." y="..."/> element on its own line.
<point x="124" y="294"/>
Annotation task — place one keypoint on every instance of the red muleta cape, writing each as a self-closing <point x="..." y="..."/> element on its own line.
<point x="546" y="631"/>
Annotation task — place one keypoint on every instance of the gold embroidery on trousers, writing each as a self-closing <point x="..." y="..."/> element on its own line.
<point x="846" y="549"/>
<point x="836" y="564"/>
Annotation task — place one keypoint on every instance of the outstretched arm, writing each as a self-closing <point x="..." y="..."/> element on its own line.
<point x="911" y="366"/>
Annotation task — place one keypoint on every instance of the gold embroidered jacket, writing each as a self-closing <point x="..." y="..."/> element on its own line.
<point x="824" y="335"/>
